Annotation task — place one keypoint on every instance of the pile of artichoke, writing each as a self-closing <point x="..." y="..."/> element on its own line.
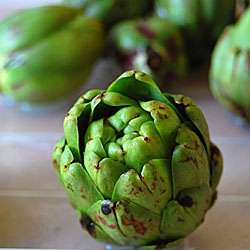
<point x="111" y="12"/>
<point x="48" y="52"/>
<point x="200" y="23"/>
<point x="230" y="69"/>
<point x="137" y="164"/>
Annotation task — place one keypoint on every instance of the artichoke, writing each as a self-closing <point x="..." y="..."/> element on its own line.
<point x="47" y="53"/>
<point x="112" y="11"/>
<point x="137" y="164"/>
<point x="151" y="45"/>
<point x="200" y="21"/>
<point x="230" y="69"/>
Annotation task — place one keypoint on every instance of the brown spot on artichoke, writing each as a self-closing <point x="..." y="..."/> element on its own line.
<point x="137" y="225"/>
<point x="88" y="225"/>
<point x="186" y="201"/>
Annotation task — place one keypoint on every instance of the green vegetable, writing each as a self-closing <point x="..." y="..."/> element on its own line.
<point x="137" y="164"/>
<point x="200" y="21"/>
<point x="151" y="45"/>
<point x="47" y="53"/>
<point x="230" y="69"/>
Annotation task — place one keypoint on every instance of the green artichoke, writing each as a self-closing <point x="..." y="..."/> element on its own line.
<point x="137" y="164"/>
<point x="47" y="53"/>
<point x="230" y="69"/>
<point x="200" y="21"/>
<point x="112" y="11"/>
<point x="151" y="45"/>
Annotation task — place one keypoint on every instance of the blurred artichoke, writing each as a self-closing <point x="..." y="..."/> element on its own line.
<point x="137" y="164"/>
<point x="46" y="53"/>
<point x="112" y="11"/>
<point x="230" y="68"/>
<point x="151" y="45"/>
<point x="200" y="21"/>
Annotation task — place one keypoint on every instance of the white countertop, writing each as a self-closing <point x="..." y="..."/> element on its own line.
<point x="35" y="212"/>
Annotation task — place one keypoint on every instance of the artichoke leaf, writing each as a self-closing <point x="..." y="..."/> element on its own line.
<point x="94" y="131"/>
<point x="193" y="113"/>
<point x="109" y="134"/>
<point x="90" y="95"/>
<point x="154" y="185"/>
<point x="99" y="132"/>
<point x="126" y="223"/>
<point x="139" y="224"/>
<point x="114" y="99"/>
<point x="136" y="85"/>
<point x="190" y="165"/>
<point x="182" y="216"/>
<point x="115" y="151"/>
<point x="141" y="149"/>
<point x="95" y="145"/>
<point x="109" y="172"/>
<point x="80" y="188"/>
<point x="75" y="125"/>
<point x="66" y="158"/>
<point x="103" y="171"/>
<point x="126" y="118"/>
<point x="103" y="215"/>
<point x="126" y="114"/>
<point x="91" y="162"/>
<point x="140" y="86"/>
<point x="72" y="134"/>
<point x="216" y="163"/>
<point x="93" y="229"/>
<point x="166" y="122"/>
<point x="197" y="118"/>
<point x="134" y="125"/>
<point x="106" y="174"/>
<point x="56" y="156"/>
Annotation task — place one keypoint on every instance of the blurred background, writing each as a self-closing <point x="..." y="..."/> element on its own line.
<point x="34" y="210"/>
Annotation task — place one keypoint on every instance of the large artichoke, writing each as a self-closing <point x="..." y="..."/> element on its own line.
<point x="152" y="45"/>
<point x="230" y="68"/>
<point x="137" y="164"/>
<point x="47" y="53"/>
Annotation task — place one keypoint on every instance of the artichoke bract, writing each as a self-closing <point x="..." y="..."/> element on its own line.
<point x="112" y="11"/>
<point x="151" y="45"/>
<point x="137" y="164"/>
<point x="200" y="21"/>
<point x="47" y="53"/>
<point x="229" y="74"/>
